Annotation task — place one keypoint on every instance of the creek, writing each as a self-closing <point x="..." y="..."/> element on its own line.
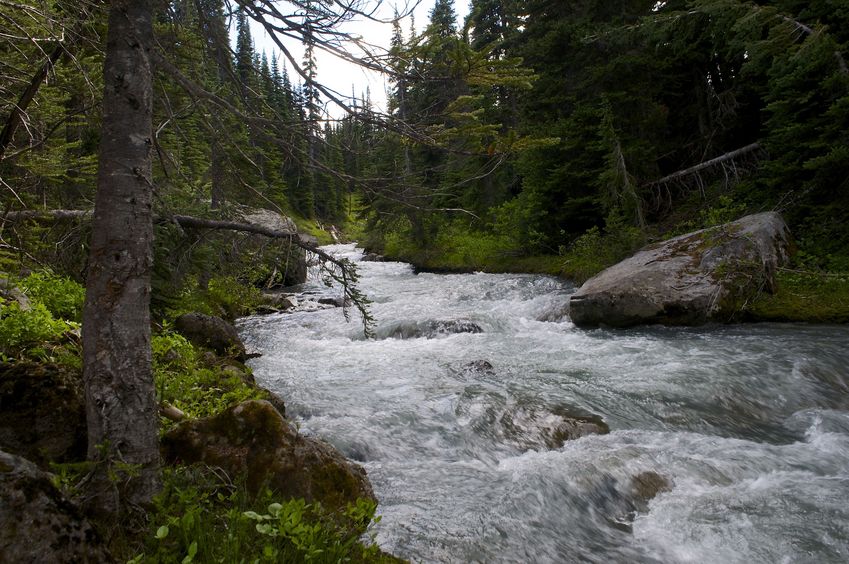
<point x="748" y="423"/>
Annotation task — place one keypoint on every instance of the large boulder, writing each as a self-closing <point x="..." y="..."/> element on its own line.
<point x="42" y="412"/>
<point x="702" y="276"/>
<point x="294" y="269"/>
<point x="212" y="332"/>
<point x="253" y="440"/>
<point x="38" y="523"/>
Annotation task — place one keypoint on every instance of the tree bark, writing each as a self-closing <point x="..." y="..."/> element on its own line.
<point x="121" y="409"/>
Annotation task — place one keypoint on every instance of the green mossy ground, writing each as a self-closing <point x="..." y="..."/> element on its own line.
<point x="201" y="515"/>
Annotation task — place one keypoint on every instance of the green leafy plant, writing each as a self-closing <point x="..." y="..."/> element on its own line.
<point x="61" y="296"/>
<point x="31" y="332"/>
<point x="183" y="381"/>
<point x="200" y="517"/>
<point x="596" y="250"/>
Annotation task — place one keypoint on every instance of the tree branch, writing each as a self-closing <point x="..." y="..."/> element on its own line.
<point x="16" y="115"/>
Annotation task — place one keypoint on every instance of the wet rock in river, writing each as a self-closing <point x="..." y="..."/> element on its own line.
<point x="478" y="367"/>
<point x="646" y="486"/>
<point x="429" y="329"/>
<point x="253" y="440"/>
<point x="550" y="429"/>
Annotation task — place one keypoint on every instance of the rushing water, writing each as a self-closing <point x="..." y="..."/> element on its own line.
<point x="750" y="424"/>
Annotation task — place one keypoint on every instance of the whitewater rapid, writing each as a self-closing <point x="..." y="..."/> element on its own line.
<point x="748" y="423"/>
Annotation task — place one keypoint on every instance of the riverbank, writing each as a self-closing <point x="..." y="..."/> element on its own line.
<point x="202" y="514"/>
<point x="804" y="292"/>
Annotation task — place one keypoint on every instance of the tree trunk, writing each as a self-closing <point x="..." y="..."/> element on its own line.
<point x="120" y="404"/>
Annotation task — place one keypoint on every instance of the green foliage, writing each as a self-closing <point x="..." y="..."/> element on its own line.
<point x="596" y="250"/>
<point x="197" y="385"/>
<point x="62" y="296"/>
<point x="224" y="296"/>
<point x="200" y="518"/>
<point x="801" y="295"/>
<point x="28" y="329"/>
<point x="47" y="330"/>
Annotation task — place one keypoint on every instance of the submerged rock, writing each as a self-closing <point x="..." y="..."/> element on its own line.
<point x="253" y="440"/>
<point x="525" y="425"/>
<point x="38" y="523"/>
<point x="703" y="276"/>
<point x="429" y="329"/>
<point x="620" y="506"/>
<point x="212" y="332"/>
<point x="478" y="367"/>
<point x="42" y="412"/>
<point x="372" y="257"/>
<point x="646" y="486"/>
<point x="551" y="429"/>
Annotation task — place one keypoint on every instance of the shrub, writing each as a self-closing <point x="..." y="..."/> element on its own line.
<point x="595" y="250"/>
<point x="32" y="333"/>
<point x="62" y="296"/>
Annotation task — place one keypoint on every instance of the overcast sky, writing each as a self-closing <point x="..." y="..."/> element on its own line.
<point x="342" y="76"/>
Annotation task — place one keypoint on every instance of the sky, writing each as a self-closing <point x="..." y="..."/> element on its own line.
<point x="342" y="76"/>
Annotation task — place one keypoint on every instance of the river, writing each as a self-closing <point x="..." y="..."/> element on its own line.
<point x="748" y="423"/>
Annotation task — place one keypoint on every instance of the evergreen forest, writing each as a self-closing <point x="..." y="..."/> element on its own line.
<point x="544" y="136"/>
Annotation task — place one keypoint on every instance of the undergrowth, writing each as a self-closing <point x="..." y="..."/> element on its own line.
<point x="197" y="384"/>
<point x="202" y="516"/>
<point x="47" y="328"/>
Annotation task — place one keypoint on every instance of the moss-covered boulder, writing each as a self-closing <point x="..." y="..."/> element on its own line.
<point x="42" y="412"/>
<point x="253" y="440"/>
<point x="707" y="275"/>
<point x="38" y="523"/>
<point x="211" y="332"/>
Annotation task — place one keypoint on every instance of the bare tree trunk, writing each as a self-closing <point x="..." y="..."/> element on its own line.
<point x="120" y="405"/>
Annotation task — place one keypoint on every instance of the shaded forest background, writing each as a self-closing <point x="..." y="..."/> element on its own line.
<point x="532" y="128"/>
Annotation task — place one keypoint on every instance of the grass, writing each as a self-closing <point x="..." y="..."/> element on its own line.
<point x="813" y="297"/>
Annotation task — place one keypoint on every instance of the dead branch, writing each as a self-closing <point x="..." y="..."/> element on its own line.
<point x="707" y="164"/>
<point x="16" y="115"/>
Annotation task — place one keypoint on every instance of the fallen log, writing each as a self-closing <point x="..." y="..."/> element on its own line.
<point x="347" y="271"/>
<point x="707" y="164"/>
<point x="185" y="221"/>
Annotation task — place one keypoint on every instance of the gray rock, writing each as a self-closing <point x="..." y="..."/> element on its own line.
<point x="12" y="293"/>
<point x="38" y="523"/>
<point x="253" y="440"/>
<point x="372" y="257"/>
<point x="266" y="310"/>
<point x="337" y="301"/>
<point x="702" y="276"/>
<point x="268" y="219"/>
<point x="42" y="412"/>
<point x="212" y="332"/>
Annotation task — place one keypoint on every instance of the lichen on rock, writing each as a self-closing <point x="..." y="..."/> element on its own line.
<point x="703" y="276"/>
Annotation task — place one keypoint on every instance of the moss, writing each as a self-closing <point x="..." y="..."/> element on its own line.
<point x="333" y="484"/>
